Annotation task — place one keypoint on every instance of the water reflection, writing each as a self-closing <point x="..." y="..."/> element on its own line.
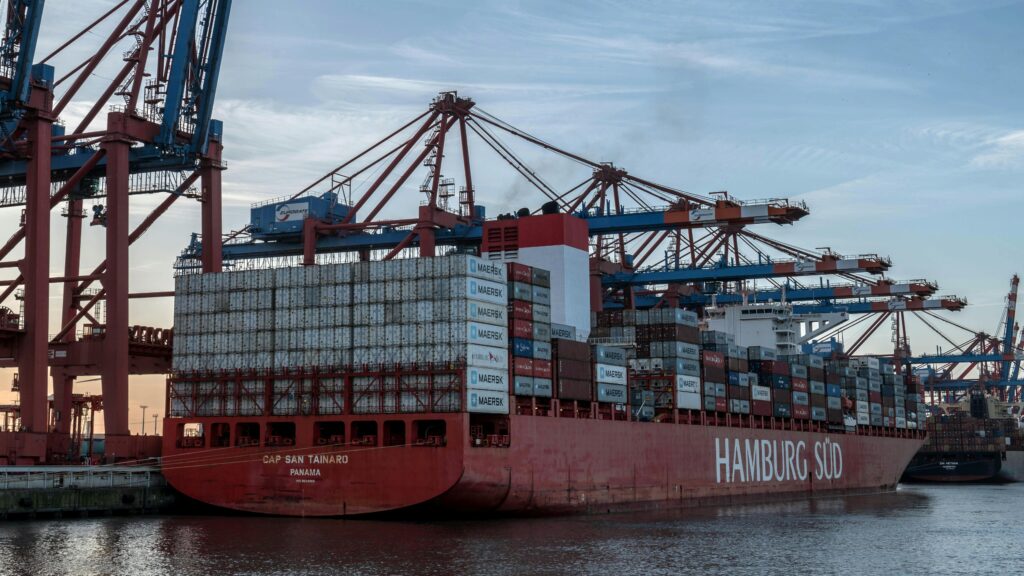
<point x="919" y="530"/>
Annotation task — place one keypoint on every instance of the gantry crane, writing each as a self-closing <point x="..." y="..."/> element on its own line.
<point x="161" y="138"/>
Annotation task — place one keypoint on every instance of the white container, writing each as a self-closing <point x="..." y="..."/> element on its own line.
<point x="487" y="313"/>
<point x="486" y="291"/>
<point x="688" y="401"/>
<point x="615" y="393"/>
<point x="487" y="379"/>
<point x="486" y="357"/>
<point x="761" y="393"/>
<point x="608" y="374"/>
<point x="487" y="401"/>
<point x="480" y="268"/>
<point x="688" y="384"/>
<point x="487" y="335"/>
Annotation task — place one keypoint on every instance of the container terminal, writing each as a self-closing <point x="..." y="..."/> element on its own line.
<point x="608" y="349"/>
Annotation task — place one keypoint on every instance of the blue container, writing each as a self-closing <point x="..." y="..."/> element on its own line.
<point x="287" y="217"/>
<point x="781" y="382"/>
<point x="734" y="378"/>
<point x="522" y="347"/>
<point x="834" y="390"/>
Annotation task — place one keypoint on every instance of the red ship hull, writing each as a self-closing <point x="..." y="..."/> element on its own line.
<point x="550" y="466"/>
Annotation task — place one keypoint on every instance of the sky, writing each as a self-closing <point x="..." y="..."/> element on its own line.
<point x="899" y="123"/>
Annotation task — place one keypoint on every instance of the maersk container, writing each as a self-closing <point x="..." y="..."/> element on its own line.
<point x="488" y="402"/>
<point x="689" y="384"/>
<point x="863" y="419"/>
<point x="486" y="291"/>
<point x="486" y="334"/>
<point x="818" y="414"/>
<point x="611" y="355"/>
<point x="609" y="374"/>
<point x="542" y="387"/>
<point x="615" y="393"/>
<point x="477" y="267"/>
<point x="541" y="331"/>
<point x="488" y="313"/>
<point x="563" y="331"/>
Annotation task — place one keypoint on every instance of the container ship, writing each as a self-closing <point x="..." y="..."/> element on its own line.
<point x="482" y="382"/>
<point x="981" y="441"/>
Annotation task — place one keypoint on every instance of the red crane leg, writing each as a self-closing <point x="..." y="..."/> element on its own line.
<point x="210" y="173"/>
<point x="63" y="385"/>
<point x="32" y="356"/>
<point x="114" y="372"/>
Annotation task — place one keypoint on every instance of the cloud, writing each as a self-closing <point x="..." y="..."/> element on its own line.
<point x="727" y="59"/>
<point x="1003" y="152"/>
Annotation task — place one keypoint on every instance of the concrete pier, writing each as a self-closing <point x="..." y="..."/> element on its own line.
<point x="31" y="491"/>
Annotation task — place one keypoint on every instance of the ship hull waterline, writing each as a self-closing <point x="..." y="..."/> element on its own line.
<point x="551" y="466"/>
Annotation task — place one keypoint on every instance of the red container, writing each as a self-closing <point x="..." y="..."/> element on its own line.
<point x="801" y="412"/>
<point x="819" y="401"/>
<point x="522" y="310"/>
<point x="782" y="396"/>
<point x="525" y="367"/>
<point x="815" y="374"/>
<point x="573" y="369"/>
<point x="721" y="405"/>
<point x="800" y="384"/>
<point x="522" y="329"/>
<point x="875" y="397"/>
<point x="575" y="389"/>
<point x="570" y="349"/>
<point x="739" y="393"/>
<point x="715" y="374"/>
<point x="690" y="334"/>
<point x="520" y="273"/>
<point x="713" y="359"/>
<point x="835" y="416"/>
<point x="761" y="408"/>
<point x="542" y="368"/>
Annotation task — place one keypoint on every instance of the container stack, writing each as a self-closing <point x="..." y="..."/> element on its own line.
<point x="761" y="386"/>
<point x="609" y="374"/>
<point x="714" y="377"/>
<point x="529" y="308"/>
<point x="572" y="370"/>
<point x="403" y="315"/>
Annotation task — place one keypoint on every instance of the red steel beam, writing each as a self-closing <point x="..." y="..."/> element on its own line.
<point x="114" y="372"/>
<point x="34" y="349"/>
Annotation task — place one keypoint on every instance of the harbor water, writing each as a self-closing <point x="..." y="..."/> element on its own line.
<point x="919" y="529"/>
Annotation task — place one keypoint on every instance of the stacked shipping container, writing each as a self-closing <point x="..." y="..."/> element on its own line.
<point x="529" y="306"/>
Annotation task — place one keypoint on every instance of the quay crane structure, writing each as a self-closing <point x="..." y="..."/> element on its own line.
<point x="982" y="360"/>
<point x="158" y="137"/>
<point x="707" y="252"/>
